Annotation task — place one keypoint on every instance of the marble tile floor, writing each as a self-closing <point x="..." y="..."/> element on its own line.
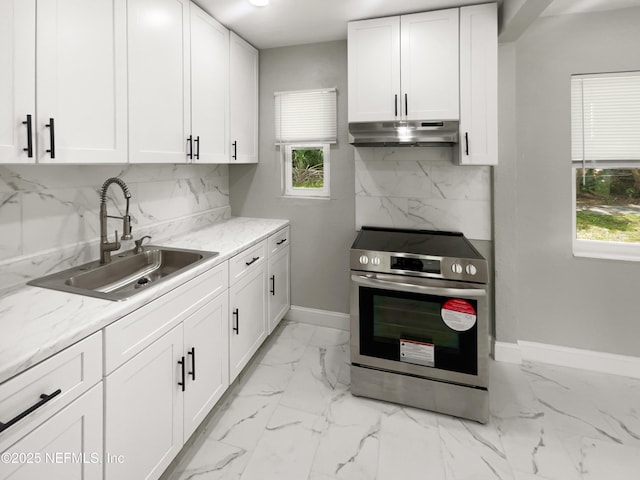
<point x="290" y="416"/>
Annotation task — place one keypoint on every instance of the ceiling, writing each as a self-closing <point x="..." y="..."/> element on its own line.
<point x="295" y="22"/>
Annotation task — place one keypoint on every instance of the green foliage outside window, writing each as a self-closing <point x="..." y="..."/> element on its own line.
<point x="608" y="204"/>
<point x="307" y="168"/>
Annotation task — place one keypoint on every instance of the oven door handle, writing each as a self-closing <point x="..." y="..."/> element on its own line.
<point x="412" y="287"/>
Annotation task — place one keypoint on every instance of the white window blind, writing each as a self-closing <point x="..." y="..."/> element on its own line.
<point x="306" y="116"/>
<point x="605" y="117"/>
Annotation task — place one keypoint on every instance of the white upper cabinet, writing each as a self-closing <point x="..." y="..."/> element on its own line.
<point x="17" y="81"/>
<point x="478" y="85"/>
<point x="374" y="69"/>
<point x="243" y="71"/>
<point x="209" y="88"/>
<point x="429" y="65"/>
<point x="159" y="81"/>
<point x="404" y="68"/>
<point x="79" y="51"/>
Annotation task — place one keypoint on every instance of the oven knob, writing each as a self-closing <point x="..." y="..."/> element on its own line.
<point x="456" y="268"/>
<point x="471" y="269"/>
<point x="375" y="261"/>
<point x="364" y="259"/>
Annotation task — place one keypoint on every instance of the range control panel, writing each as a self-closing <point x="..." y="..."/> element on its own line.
<point x="471" y="270"/>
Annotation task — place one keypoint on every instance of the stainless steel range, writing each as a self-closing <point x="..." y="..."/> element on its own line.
<point x="419" y="321"/>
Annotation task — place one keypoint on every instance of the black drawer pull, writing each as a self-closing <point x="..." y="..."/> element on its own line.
<point x="44" y="399"/>
<point x="29" y="148"/>
<point x="273" y="285"/>
<point x="192" y="352"/>
<point x="235" y="150"/>
<point x="254" y="260"/>
<point x="52" y="138"/>
<point x="190" y="147"/>
<point x="182" y="384"/>
<point x="281" y="241"/>
<point x="236" y="314"/>
<point x="197" y="141"/>
<point x="466" y="142"/>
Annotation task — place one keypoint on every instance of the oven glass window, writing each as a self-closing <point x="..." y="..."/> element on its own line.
<point x="387" y="317"/>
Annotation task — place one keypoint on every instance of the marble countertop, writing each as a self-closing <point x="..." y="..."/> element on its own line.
<point x="36" y="323"/>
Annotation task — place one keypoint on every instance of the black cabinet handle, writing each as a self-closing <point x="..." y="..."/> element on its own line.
<point x="192" y="352"/>
<point x="466" y="142"/>
<point x="197" y="147"/>
<point x="273" y="285"/>
<point x="52" y="138"/>
<point x="29" y="148"/>
<point x="396" y="104"/>
<point x="281" y="241"/>
<point x="254" y="260"/>
<point x="190" y="147"/>
<point x="236" y="314"/>
<point x="44" y="399"/>
<point x="235" y="150"/>
<point x="182" y="384"/>
<point x="406" y="105"/>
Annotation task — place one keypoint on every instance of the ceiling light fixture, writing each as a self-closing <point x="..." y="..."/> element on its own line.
<point x="259" y="3"/>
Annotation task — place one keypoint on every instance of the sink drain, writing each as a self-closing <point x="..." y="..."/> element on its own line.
<point x="142" y="282"/>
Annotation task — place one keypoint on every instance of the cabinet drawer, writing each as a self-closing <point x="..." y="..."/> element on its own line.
<point x="278" y="241"/>
<point x="247" y="261"/>
<point x="131" y="334"/>
<point x="71" y="372"/>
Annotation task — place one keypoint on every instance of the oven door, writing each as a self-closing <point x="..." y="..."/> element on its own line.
<point x="435" y="329"/>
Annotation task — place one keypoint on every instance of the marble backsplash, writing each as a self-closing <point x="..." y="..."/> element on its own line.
<point x="49" y="214"/>
<point x="420" y="187"/>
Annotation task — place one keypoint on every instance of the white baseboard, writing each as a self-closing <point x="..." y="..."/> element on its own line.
<point x="614" y="364"/>
<point x="507" y="352"/>
<point x="323" y="318"/>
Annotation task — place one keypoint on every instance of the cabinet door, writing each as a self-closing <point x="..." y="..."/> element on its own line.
<point x="143" y="410"/>
<point x="81" y="81"/>
<point x="429" y="73"/>
<point x="68" y="446"/>
<point x="159" y="71"/>
<point x="247" y="309"/>
<point x="17" y="81"/>
<point x="374" y="69"/>
<point x="478" y="85"/>
<point x="209" y="88"/>
<point x="206" y="350"/>
<point x="243" y="91"/>
<point x="279" y="287"/>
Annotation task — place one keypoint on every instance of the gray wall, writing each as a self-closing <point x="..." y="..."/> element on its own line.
<point x="562" y="300"/>
<point x="321" y="230"/>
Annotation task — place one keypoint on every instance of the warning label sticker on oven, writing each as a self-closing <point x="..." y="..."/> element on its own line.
<point x="417" y="352"/>
<point x="458" y="314"/>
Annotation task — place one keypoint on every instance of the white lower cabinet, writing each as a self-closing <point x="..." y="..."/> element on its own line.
<point x="68" y="446"/>
<point x="247" y="308"/>
<point x="279" y="298"/>
<point x="207" y="360"/>
<point x="156" y="400"/>
<point x="143" y="410"/>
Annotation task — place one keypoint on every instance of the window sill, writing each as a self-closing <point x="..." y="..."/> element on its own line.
<point x="303" y="197"/>
<point x="629" y="252"/>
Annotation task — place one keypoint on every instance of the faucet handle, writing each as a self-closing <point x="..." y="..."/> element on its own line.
<point x="138" y="247"/>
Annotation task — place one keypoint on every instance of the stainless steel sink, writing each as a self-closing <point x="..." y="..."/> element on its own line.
<point x="127" y="274"/>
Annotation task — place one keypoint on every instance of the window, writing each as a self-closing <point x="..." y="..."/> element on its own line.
<point x="605" y="151"/>
<point x="307" y="170"/>
<point x="305" y="127"/>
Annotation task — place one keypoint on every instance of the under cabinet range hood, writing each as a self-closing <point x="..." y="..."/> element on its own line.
<point x="403" y="133"/>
